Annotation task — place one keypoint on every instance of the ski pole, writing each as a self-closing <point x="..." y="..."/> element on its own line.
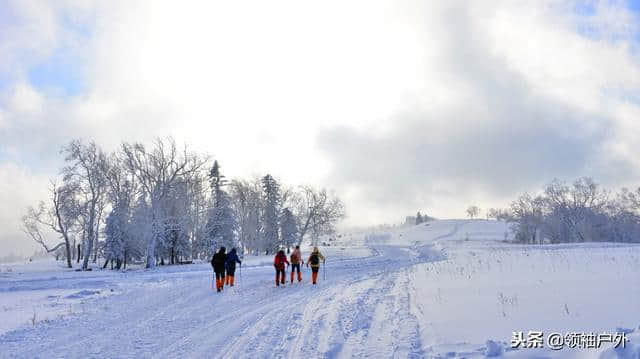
<point x="324" y="270"/>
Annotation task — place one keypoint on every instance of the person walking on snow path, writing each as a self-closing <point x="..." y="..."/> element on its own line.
<point x="296" y="261"/>
<point x="314" y="260"/>
<point x="278" y="262"/>
<point x="218" y="263"/>
<point x="230" y="266"/>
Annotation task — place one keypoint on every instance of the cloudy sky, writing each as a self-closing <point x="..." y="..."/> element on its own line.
<point x="395" y="105"/>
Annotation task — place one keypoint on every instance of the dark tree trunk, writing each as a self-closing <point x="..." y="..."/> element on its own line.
<point x="68" y="251"/>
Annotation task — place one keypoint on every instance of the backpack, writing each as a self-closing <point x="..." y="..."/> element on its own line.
<point x="279" y="262"/>
<point x="315" y="260"/>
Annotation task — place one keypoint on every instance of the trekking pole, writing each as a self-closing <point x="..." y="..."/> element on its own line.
<point x="324" y="270"/>
<point x="240" y="275"/>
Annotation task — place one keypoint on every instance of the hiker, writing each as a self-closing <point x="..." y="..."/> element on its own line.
<point x="296" y="261"/>
<point x="217" y="262"/>
<point x="230" y="266"/>
<point x="314" y="259"/>
<point x="279" y="262"/>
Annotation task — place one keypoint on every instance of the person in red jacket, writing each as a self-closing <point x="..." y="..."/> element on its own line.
<point x="279" y="261"/>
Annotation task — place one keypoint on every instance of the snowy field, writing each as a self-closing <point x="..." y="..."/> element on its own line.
<point x="448" y="288"/>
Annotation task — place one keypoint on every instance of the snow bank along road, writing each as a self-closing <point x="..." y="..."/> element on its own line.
<point x="392" y="294"/>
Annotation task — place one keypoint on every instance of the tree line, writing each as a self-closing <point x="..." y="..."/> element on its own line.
<point x="577" y="212"/>
<point x="165" y="204"/>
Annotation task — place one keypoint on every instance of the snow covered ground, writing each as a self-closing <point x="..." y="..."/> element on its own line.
<point x="448" y="288"/>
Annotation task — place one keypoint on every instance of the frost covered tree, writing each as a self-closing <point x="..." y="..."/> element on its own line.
<point x="419" y="218"/>
<point x="177" y="244"/>
<point x="530" y="218"/>
<point x="580" y="212"/>
<point x="116" y="232"/>
<point x="473" y="211"/>
<point x="624" y="215"/>
<point x="317" y="212"/>
<point x="139" y="230"/>
<point x="221" y="228"/>
<point x="61" y="217"/>
<point x="289" y="228"/>
<point x="196" y="212"/>
<point x="86" y="167"/>
<point x="576" y="207"/>
<point x="155" y="204"/>
<point x="120" y="195"/>
<point x="156" y="171"/>
<point x="271" y="193"/>
<point x="247" y="203"/>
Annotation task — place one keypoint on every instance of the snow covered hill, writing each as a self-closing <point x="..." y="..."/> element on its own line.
<point x="450" y="288"/>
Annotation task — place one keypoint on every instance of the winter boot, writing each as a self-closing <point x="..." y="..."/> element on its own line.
<point x="314" y="277"/>
<point x="291" y="277"/>
<point x="231" y="279"/>
<point x="299" y="277"/>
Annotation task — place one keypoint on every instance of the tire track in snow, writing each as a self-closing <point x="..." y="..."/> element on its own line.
<point x="351" y="324"/>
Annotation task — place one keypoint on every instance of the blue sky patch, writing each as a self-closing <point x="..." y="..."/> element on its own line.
<point x="60" y="74"/>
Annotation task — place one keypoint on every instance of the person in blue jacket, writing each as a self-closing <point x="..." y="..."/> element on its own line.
<point x="230" y="266"/>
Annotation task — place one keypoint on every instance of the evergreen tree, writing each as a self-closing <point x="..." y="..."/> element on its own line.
<point x="271" y="192"/>
<point x="139" y="230"/>
<point x="115" y="236"/>
<point x="289" y="228"/>
<point x="222" y="224"/>
<point x="117" y="228"/>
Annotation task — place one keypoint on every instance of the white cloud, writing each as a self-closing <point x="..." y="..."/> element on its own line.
<point x="29" y="34"/>
<point x="263" y="87"/>
<point x="528" y="98"/>
<point x="25" y="101"/>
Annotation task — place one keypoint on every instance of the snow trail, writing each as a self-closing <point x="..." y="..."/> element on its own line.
<point x="178" y="315"/>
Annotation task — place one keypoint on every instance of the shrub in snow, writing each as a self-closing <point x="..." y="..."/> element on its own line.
<point x="494" y="349"/>
<point x="582" y="212"/>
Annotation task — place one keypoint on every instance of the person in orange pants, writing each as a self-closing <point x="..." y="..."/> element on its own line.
<point x="230" y="266"/>
<point x="296" y="261"/>
<point x="314" y="260"/>
<point x="217" y="262"/>
<point x="278" y="262"/>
